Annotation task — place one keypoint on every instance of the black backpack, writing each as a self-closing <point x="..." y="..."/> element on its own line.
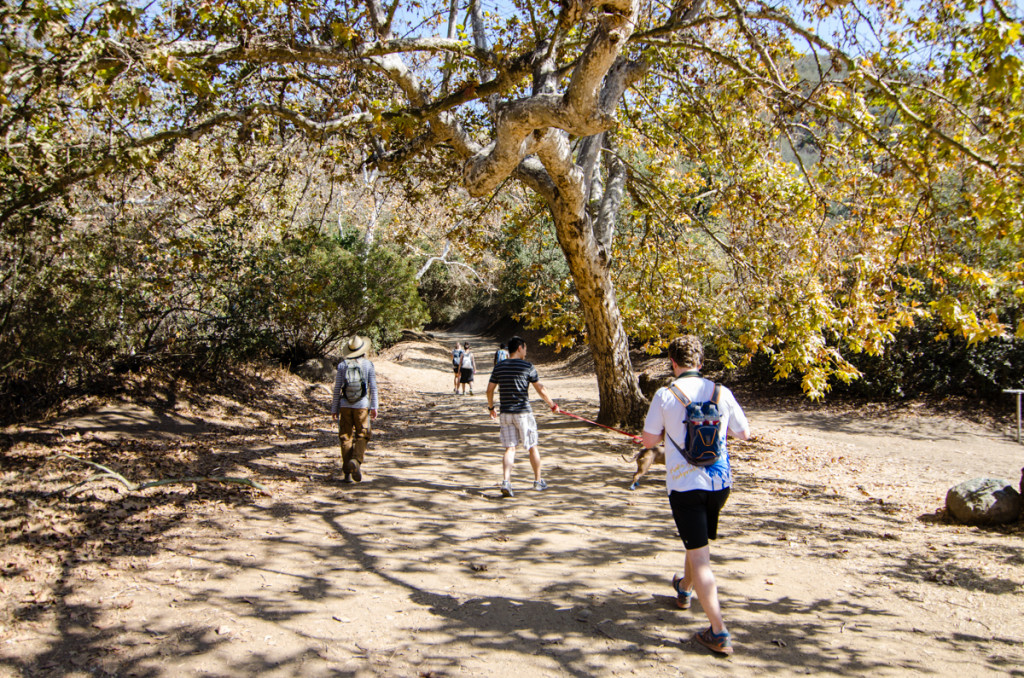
<point x="705" y="443"/>
<point x="354" y="388"/>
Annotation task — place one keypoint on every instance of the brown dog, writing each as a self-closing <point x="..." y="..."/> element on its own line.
<point x="644" y="459"/>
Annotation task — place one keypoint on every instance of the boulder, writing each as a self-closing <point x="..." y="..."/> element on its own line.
<point x="984" y="501"/>
<point x="650" y="382"/>
<point x="317" y="370"/>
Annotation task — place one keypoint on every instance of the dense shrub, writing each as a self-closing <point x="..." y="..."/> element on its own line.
<point x="448" y="295"/>
<point x="328" y="287"/>
<point x="918" y="365"/>
<point x="535" y="286"/>
<point x="80" y="305"/>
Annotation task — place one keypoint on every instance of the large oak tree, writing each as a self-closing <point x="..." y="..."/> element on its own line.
<point x="908" y="123"/>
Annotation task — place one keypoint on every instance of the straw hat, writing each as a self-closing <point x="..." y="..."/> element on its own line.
<point x="355" y="347"/>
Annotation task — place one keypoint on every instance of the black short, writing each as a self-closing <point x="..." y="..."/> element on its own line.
<point x="696" y="515"/>
<point x="456" y="369"/>
<point x="466" y="377"/>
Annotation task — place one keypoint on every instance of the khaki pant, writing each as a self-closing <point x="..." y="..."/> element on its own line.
<point x="353" y="435"/>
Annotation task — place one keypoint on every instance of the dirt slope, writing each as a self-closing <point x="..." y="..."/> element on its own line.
<point x="831" y="558"/>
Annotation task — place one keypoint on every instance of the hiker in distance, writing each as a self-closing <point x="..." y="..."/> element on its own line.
<point x="501" y="354"/>
<point x="512" y="378"/>
<point x="694" y="416"/>
<point x="353" y="405"/>
<point x="467" y="366"/>
<point x="456" y="362"/>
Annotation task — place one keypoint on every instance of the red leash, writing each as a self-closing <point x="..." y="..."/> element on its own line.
<point x="636" y="439"/>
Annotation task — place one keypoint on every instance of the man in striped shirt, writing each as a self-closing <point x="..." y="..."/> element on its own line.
<point x="353" y="405"/>
<point x="512" y="377"/>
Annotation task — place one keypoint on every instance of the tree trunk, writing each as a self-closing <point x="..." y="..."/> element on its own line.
<point x="622" y="403"/>
<point x="532" y="139"/>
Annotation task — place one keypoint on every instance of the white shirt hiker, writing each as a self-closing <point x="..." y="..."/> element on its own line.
<point x="668" y="415"/>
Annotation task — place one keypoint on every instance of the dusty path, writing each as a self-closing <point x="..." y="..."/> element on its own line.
<point x="830" y="559"/>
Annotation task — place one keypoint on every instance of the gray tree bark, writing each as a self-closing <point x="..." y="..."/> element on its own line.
<point x="540" y="127"/>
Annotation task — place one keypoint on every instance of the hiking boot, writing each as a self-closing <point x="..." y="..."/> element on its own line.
<point x="716" y="642"/>
<point x="506" y="488"/>
<point x="357" y="475"/>
<point x="347" y="479"/>
<point x="682" y="597"/>
<point x="540" y="485"/>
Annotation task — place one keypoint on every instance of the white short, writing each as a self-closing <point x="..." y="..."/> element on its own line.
<point x="518" y="429"/>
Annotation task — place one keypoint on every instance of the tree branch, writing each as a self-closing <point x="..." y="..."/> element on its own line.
<point x="613" y="31"/>
<point x="262" y="50"/>
<point x="586" y="108"/>
<point x="443" y="258"/>
<point x="608" y="215"/>
<point x="108" y="472"/>
<point x="875" y="80"/>
<point x="667" y="199"/>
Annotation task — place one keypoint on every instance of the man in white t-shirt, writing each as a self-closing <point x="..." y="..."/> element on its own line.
<point x="696" y="493"/>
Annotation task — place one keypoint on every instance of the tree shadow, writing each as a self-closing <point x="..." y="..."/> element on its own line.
<point x="519" y="587"/>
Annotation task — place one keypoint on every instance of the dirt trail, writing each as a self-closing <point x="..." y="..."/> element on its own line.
<point x="830" y="558"/>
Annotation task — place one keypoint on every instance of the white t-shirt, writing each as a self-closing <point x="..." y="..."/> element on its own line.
<point x="666" y="415"/>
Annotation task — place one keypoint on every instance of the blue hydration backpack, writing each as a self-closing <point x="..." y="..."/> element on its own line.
<point x="704" y="441"/>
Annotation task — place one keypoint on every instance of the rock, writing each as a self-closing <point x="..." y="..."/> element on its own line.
<point x="984" y="501"/>
<point x="650" y="382"/>
<point x="317" y="370"/>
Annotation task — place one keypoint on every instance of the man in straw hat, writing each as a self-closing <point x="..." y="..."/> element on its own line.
<point x="354" y="404"/>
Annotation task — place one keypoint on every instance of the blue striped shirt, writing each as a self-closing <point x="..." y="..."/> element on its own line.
<point x="369" y="401"/>
<point x="513" y="377"/>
